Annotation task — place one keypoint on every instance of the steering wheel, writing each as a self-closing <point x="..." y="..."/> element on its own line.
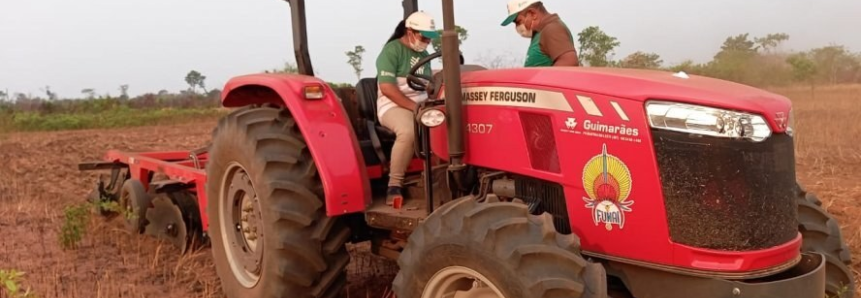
<point x="421" y="82"/>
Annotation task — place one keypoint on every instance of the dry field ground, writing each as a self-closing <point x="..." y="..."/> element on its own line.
<point x="38" y="177"/>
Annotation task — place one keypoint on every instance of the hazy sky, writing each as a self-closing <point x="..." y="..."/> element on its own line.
<point x="152" y="44"/>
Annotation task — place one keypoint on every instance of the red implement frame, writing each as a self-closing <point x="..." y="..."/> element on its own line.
<point x="180" y="166"/>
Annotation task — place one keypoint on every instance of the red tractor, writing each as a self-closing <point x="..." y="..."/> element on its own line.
<point x="539" y="182"/>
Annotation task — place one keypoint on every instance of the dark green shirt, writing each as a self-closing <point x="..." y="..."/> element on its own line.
<point x="552" y="38"/>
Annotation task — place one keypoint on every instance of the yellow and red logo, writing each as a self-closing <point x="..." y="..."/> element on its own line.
<point x="607" y="182"/>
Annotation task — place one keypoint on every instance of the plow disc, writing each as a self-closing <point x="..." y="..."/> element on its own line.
<point x="174" y="217"/>
<point x="166" y="222"/>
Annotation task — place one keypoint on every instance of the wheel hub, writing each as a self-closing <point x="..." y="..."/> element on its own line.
<point x="250" y="221"/>
<point x="460" y="282"/>
<point x="242" y="226"/>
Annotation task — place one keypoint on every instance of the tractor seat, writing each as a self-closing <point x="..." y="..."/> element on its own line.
<point x="382" y="139"/>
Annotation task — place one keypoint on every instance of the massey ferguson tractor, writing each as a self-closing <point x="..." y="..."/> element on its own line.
<point x="527" y="182"/>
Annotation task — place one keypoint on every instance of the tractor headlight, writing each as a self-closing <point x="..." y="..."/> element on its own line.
<point x="707" y="121"/>
<point x="432" y="117"/>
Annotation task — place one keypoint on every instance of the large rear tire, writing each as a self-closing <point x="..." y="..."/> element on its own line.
<point x="511" y="253"/>
<point x="821" y="233"/>
<point x="269" y="232"/>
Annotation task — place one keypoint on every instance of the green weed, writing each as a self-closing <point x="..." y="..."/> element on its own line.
<point x="77" y="217"/>
<point x="10" y="282"/>
<point x="74" y="225"/>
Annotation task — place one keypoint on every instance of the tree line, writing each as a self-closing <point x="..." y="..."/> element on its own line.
<point x="742" y="58"/>
<point x="753" y="60"/>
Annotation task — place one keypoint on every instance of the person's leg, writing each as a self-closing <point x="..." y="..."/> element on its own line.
<point x="400" y="121"/>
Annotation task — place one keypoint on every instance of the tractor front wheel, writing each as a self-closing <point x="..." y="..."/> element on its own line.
<point x="821" y="233"/>
<point x="494" y="250"/>
<point x="270" y="235"/>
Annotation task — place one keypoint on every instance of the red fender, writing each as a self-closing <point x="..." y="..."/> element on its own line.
<point x="327" y="130"/>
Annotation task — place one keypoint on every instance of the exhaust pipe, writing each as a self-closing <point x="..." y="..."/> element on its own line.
<point x="453" y="100"/>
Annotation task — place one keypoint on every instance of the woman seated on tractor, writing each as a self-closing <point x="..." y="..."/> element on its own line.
<point x="397" y="102"/>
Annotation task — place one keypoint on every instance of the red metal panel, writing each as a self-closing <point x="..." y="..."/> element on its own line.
<point x="730" y="261"/>
<point x="328" y="134"/>
<point x="141" y="164"/>
<point x="642" y="85"/>
<point x="592" y="124"/>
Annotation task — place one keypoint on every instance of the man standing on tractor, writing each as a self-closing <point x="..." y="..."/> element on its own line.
<point x="552" y="42"/>
<point x="396" y="101"/>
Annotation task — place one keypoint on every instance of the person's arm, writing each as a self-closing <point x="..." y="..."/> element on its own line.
<point x="388" y="82"/>
<point x="394" y="93"/>
<point x="557" y="43"/>
<point x="567" y="59"/>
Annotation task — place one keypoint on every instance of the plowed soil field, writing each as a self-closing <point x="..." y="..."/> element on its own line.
<point x="39" y="177"/>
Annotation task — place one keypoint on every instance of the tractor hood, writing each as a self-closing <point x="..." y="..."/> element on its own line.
<point x="642" y="85"/>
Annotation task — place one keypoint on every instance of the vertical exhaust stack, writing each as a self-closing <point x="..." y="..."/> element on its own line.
<point x="453" y="95"/>
<point x="300" y="37"/>
<point x="410" y="6"/>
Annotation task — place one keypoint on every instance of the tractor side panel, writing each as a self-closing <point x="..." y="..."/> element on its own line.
<point x="600" y="150"/>
<point x="327" y="130"/>
<point x="561" y="136"/>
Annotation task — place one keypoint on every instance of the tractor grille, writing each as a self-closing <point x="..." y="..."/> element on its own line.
<point x="727" y="194"/>
<point x="540" y="142"/>
<point x="542" y="196"/>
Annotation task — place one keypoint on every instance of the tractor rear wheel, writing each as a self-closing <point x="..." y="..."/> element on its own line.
<point x="270" y="235"/>
<point x="821" y="233"/>
<point x="499" y="250"/>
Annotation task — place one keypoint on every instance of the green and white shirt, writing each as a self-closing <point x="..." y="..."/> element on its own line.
<point x="393" y="66"/>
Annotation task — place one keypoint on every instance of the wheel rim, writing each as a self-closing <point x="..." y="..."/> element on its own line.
<point x="241" y="226"/>
<point x="460" y="282"/>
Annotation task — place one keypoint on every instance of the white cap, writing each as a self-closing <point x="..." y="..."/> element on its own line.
<point x="422" y="22"/>
<point x="515" y="7"/>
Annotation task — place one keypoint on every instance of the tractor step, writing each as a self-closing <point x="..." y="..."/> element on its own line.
<point x="386" y="217"/>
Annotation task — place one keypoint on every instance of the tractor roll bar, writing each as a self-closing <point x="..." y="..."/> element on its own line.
<point x="300" y="37"/>
<point x="300" y="32"/>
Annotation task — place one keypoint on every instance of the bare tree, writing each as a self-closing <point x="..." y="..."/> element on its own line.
<point x="355" y="60"/>
<point x="195" y="79"/>
<point x="124" y="91"/>
<point x="50" y="94"/>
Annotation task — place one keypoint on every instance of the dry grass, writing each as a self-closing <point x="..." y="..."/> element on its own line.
<point x="828" y="151"/>
<point x="828" y="124"/>
<point x="38" y="177"/>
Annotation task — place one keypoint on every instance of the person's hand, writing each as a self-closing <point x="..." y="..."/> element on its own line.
<point x="430" y="89"/>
